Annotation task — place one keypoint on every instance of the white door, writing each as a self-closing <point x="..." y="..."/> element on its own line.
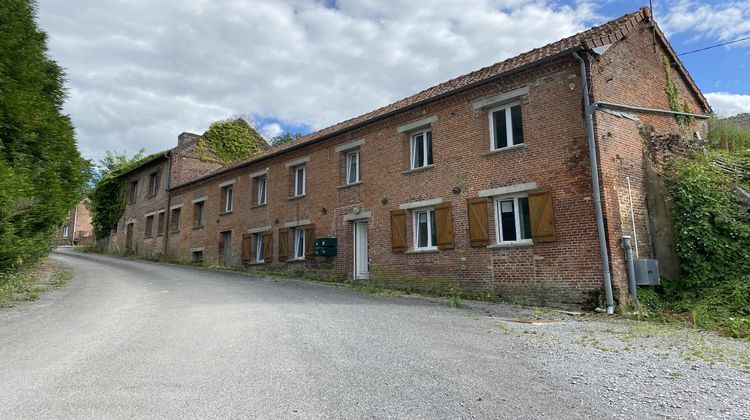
<point x="361" y="253"/>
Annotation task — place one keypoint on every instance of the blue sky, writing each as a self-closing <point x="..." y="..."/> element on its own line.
<point x="141" y="72"/>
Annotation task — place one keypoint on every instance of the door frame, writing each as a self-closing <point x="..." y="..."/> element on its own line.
<point x="355" y="249"/>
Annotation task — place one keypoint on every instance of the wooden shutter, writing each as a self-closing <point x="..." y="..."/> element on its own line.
<point x="283" y="243"/>
<point x="309" y="239"/>
<point x="478" y="229"/>
<point x="542" y="216"/>
<point x="221" y="244"/>
<point x="398" y="230"/>
<point x="444" y="226"/>
<point x="268" y="246"/>
<point x="247" y="240"/>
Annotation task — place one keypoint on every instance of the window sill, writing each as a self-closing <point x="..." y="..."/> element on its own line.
<point x="256" y="263"/>
<point x="257" y="206"/>
<point x="161" y="234"/>
<point x="420" y="169"/>
<point x="353" y="184"/>
<point x="147" y="237"/>
<point x="198" y="227"/>
<point x="225" y="213"/>
<point x="174" y="231"/>
<point x="297" y="197"/>
<point x="505" y="149"/>
<point x="519" y="244"/>
<point x="422" y="251"/>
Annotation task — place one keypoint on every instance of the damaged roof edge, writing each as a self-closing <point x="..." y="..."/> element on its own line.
<point x="389" y="114"/>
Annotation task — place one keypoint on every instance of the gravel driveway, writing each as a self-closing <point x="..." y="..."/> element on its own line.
<point x="135" y="339"/>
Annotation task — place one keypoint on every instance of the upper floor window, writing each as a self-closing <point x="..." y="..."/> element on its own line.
<point x="175" y="219"/>
<point x="132" y="192"/>
<point x="506" y="126"/>
<point x="424" y="229"/>
<point x="421" y="149"/>
<point x="199" y="214"/>
<point x="353" y="174"/>
<point x="227" y="193"/>
<point x="153" y="184"/>
<point x="300" y="188"/>
<point x="299" y="243"/>
<point x="262" y="185"/>
<point x="512" y="219"/>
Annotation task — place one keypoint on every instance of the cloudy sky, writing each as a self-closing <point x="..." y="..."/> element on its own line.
<point x="142" y="71"/>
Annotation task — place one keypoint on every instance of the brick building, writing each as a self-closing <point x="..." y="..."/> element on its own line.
<point x="77" y="228"/>
<point x="482" y="183"/>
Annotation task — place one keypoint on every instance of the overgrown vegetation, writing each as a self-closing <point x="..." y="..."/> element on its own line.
<point x="229" y="141"/>
<point x="42" y="173"/>
<point x="673" y="95"/>
<point x="27" y="284"/>
<point x="285" y="138"/>
<point x="712" y="236"/>
<point x="107" y="197"/>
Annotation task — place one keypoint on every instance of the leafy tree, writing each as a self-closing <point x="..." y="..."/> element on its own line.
<point x="285" y="138"/>
<point x="42" y="173"/>
<point x="231" y="140"/>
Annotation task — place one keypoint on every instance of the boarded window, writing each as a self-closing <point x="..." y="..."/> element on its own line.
<point x="398" y="230"/>
<point x="542" y="215"/>
<point x="160" y="224"/>
<point x="309" y="239"/>
<point x="444" y="224"/>
<point x="268" y="246"/>
<point x="478" y="229"/>
<point x="149" y="226"/>
<point x="283" y="243"/>
<point x="246" y="247"/>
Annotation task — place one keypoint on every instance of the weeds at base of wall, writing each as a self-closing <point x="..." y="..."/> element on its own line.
<point x="26" y="285"/>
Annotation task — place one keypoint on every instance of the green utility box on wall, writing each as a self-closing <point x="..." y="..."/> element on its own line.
<point x="325" y="247"/>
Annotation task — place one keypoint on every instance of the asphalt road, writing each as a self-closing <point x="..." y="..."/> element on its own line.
<point x="136" y="339"/>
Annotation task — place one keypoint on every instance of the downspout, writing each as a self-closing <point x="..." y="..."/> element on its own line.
<point x="75" y="219"/>
<point x="169" y="203"/>
<point x="606" y="276"/>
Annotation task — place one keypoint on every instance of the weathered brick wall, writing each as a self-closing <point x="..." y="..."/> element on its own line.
<point x="187" y="164"/>
<point x="632" y="73"/>
<point x="554" y="156"/>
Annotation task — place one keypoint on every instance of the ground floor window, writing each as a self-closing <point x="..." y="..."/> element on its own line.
<point x="259" y="249"/>
<point x="424" y="230"/>
<point x="299" y="243"/>
<point x="198" y="256"/>
<point x="512" y="219"/>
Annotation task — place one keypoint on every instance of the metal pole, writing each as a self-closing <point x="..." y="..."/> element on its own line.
<point x="632" y="219"/>
<point x="631" y="267"/>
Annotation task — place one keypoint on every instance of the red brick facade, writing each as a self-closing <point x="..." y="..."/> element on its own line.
<point x="562" y="265"/>
<point x="77" y="228"/>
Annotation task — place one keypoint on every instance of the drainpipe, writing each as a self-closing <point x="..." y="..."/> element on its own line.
<point x="631" y="268"/>
<point x="169" y="203"/>
<point x="606" y="276"/>
<point x="75" y="219"/>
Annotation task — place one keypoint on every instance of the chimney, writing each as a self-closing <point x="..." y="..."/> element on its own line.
<point x="187" y="139"/>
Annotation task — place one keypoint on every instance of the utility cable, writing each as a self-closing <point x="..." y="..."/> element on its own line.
<point x="715" y="46"/>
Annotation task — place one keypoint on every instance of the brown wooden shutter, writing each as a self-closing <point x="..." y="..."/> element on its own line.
<point x="309" y="240"/>
<point x="283" y="243"/>
<point x="542" y="216"/>
<point x="444" y="226"/>
<point x="268" y="246"/>
<point x="247" y="240"/>
<point x="478" y="229"/>
<point x="221" y="245"/>
<point x="398" y="230"/>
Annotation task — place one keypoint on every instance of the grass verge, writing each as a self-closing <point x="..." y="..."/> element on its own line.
<point x="26" y="285"/>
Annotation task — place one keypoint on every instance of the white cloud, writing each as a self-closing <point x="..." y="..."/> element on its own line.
<point x="140" y="72"/>
<point x="723" y="21"/>
<point x="728" y="104"/>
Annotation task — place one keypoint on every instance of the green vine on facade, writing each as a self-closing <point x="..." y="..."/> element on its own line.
<point x="229" y="141"/>
<point x="673" y="95"/>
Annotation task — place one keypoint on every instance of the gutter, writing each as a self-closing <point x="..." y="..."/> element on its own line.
<point x="389" y="114"/>
<point x="603" y="252"/>
<point x="600" y="104"/>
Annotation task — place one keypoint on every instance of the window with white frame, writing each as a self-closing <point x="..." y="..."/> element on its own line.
<point x="299" y="243"/>
<point x="262" y="185"/>
<point x="421" y="149"/>
<point x="425" y="236"/>
<point x="227" y="194"/>
<point x="512" y="220"/>
<point x="300" y="188"/>
<point x="259" y="251"/>
<point x="506" y="126"/>
<point x="353" y="174"/>
<point x="65" y="230"/>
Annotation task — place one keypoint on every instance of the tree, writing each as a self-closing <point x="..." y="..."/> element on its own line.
<point x="42" y="173"/>
<point x="231" y="140"/>
<point x="285" y="138"/>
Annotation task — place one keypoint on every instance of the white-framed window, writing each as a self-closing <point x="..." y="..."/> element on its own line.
<point x="259" y="251"/>
<point x="299" y="180"/>
<point x="421" y="149"/>
<point x="512" y="220"/>
<point x="262" y="183"/>
<point x="227" y="194"/>
<point x="65" y="230"/>
<point x="353" y="174"/>
<point x="425" y="233"/>
<point x="506" y="126"/>
<point x="299" y="243"/>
